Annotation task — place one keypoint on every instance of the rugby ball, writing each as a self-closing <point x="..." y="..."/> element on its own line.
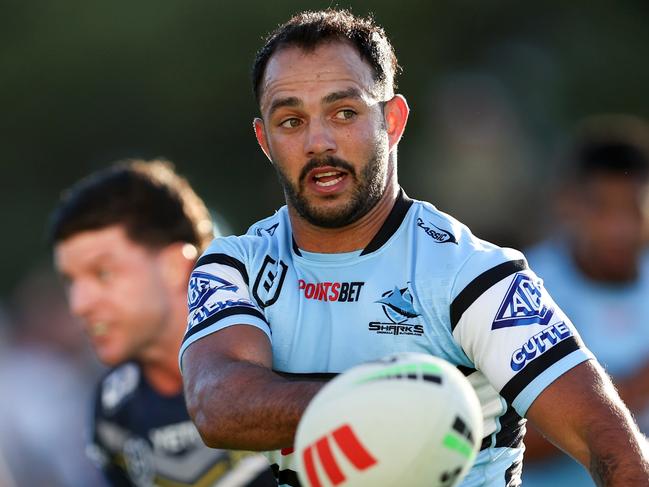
<point x="409" y="419"/>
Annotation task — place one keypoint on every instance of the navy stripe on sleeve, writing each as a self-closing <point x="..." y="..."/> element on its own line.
<point x="536" y="367"/>
<point x="234" y="310"/>
<point x="480" y="284"/>
<point x="225" y="260"/>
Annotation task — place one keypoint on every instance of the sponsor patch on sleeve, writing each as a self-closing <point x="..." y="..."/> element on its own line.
<point x="538" y="344"/>
<point x="209" y="295"/>
<point x="523" y="304"/>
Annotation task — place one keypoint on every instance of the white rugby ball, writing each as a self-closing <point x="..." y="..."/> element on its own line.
<point x="409" y="419"/>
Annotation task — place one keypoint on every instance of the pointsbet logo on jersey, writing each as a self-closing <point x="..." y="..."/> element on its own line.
<point x="344" y="292"/>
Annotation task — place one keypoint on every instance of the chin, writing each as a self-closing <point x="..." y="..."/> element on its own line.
<point x="110" y="358"/>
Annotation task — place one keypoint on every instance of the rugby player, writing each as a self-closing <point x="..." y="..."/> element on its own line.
<point x="125" y="240"/>
<point x="277" y="303"/>
<point x="596" y="265"/>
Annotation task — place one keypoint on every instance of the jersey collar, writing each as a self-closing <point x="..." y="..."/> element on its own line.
<point x="389" y="227"/>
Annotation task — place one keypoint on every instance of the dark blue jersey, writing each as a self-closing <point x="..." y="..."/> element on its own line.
<point x="142" y="438"/>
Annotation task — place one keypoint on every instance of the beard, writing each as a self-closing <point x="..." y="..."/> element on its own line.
<point x="368" y="188"/>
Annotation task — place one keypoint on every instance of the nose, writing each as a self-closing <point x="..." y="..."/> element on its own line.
<point x="80" y="298"/>
<point x="319" y="138"/>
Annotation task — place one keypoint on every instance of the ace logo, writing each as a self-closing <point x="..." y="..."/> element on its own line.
<point x="523" y="305"/>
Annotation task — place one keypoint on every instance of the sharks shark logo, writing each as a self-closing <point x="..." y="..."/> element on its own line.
<point x="399" y="309"/>
<point x="397" y="305"/>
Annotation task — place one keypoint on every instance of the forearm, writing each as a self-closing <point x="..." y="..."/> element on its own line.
<point x="618" y="452"/>
<point x="582" y="414"/>
<point x="241" y="405"/>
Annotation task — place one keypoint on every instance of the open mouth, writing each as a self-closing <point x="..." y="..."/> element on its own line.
<point x="98" y="329"/>
<point x="328" y="178"/>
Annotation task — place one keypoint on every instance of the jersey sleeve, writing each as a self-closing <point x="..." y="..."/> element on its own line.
<point x="219" y="296"/>
<point x="510" y="328"/>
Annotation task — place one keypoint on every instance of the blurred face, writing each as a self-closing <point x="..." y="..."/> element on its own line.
<point x="117" y="289"/>
<point x="609" y="226"/>
<point x="324" y="129"/>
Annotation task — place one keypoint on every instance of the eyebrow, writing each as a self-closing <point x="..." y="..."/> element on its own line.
<point x="293" y="101"/>
<point x="341" y="95"/>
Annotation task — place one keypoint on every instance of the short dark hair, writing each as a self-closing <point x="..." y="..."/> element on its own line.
<point x="308" y="30"/>
<point x="155" y="205"/>
<point x="611" y="145"/>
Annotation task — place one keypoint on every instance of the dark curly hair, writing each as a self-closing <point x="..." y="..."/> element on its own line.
<point x="155" y="205"/>
<point x="308" y="30"/>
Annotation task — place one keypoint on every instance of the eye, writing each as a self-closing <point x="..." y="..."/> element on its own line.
<point x="345" y="114"/>
<point x="103" y="274"/>
<point x="291" y="123"/>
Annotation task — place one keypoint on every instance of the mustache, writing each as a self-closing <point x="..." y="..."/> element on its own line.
<point x="328" y="161"/>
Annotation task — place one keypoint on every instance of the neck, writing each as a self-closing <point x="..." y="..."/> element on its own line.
<point x="352" y="237"/>
<point x="160" y="362"/>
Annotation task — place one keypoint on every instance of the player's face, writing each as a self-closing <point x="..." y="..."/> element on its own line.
<point x="610" y="224"/>
<point x="324" y="130"/>
<point x="116" y="287"/>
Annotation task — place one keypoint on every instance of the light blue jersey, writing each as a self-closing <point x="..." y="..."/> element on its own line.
<point x="423" y="284"/>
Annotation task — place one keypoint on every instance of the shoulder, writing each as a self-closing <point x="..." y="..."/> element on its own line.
<point x="270" y="231"/>
<point x="465" y="256"/>
<point x="116" y="388"/>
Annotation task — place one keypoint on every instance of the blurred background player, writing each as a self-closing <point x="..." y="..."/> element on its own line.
<point x="125" y="240"/>
<point x="47" y="374"/>
<point x="597" y="268"/>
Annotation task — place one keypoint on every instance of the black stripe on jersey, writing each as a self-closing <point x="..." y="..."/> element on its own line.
<point x="296" y="249"/>
<point x="479" y="285"/>
<point x="316" y="376"/>
<point x="512" y="430"/>
<point x="285" y="477"/>
<point x="486" y="443"/>
<point x="391" y="224"/>
<point x="513" y="474"/>
<point x="234" y="310"/>
<point x="225" y="260"/>
<point x="467" y="371"/>
<point x="534" y="368"/>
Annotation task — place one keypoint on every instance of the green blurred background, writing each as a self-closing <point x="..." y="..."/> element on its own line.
<point x="493" y="87"/>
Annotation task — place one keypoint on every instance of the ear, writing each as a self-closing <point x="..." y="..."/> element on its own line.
<point x="260" y="134"/>
<point x="395" y="113"/>
<point x="177" y="261"/>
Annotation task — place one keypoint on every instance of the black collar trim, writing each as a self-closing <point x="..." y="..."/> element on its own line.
<point x="389" y="227"/>
<point x="391" y="224"/>
<point x="296" y="249"/>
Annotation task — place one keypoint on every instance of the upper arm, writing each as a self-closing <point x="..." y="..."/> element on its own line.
<point x="511" y="330"/>
<point x="218" y="298"/>
<point x="237" y="343"/>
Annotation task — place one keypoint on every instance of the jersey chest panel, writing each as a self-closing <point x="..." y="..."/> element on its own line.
<point x="330" y="316"/>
